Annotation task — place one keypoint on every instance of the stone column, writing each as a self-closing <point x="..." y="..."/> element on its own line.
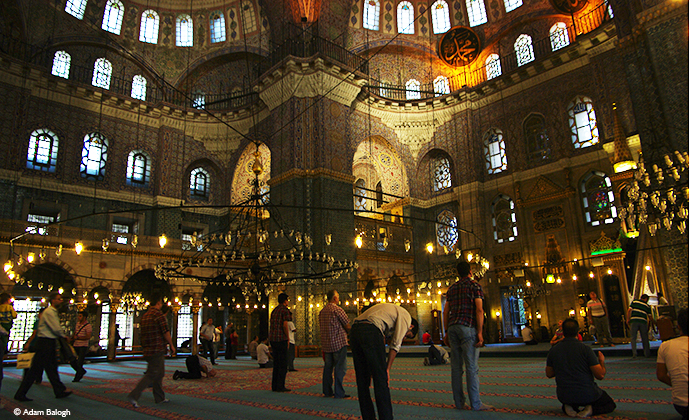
<point x="173" y="325"/>
<point x="112" y="320"/>
<point x="195" y="330"/>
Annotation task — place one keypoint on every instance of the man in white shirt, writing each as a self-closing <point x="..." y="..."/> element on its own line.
<point x="206" y="335"/>
<point x="672" y="365"/>
<point x="291" y="348"/>
<point x="49" y="330"/>
<point x="528" y="336"/>
<point x="367" y="340"/>
<point x="263" y="354"/>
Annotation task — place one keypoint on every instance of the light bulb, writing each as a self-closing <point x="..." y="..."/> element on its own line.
<point x="78" y="247"/>
<point x="358" y="241"/>
<point x="162" y="240"/>
<point x="429" y="247"/>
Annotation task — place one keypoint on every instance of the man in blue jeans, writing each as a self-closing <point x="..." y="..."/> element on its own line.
<point x="463" y="321"/>
<point x="334" y="326"/>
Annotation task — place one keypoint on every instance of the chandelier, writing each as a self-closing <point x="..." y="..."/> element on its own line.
<point x="252" y="256"/>
<point x="657" y="198"/>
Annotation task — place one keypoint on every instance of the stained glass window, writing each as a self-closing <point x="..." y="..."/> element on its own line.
<point x="185" y="324"/>
<point x="493" y="66"/>
<point x="370" y="19"/>
<point x="495" y="151"/>
<point x="360" y="195"/>
<point x="441" y="86"/>
<point x="598" y="199"/>
<point x="441" y="173"/>
<point x="61" y="64"/>
<point x="148" y="31"/>
<point x="412" y="90"/>
<point x="512" y="4"/>
<point x="139" y="87"/>
<point x="537" y="141"/>
<point x="102" y="70"/>
<point x="503" y="219"/>
<point x="199" y="181"/>
<point x="43" y="150"/>
<point x="138" y="168"/>
<point x="76" y="8"/>
<point x="583" y="123"/>
<point x="217" y="21"/>
<point x="559" y="36"/>
<point x="248" y="17"/>
<point x="524" y="50"/>
<point x="440" y="16"/>
<point x="94" y="156"/>
<point x="476" y="11"/>
<point x="405" y="18"/>
<point x="446" y="230"/>
<point x="112" y="16"/>
<point x="185" y="31"/>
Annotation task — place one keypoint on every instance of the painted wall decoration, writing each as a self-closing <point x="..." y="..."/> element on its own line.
<point x="244" y="177"/>
<point x="459" y="46"/>
<point x="569" y="6"/>
<point x="376" y="153"/>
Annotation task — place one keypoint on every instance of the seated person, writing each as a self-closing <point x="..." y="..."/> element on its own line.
<point x="263" y="354"/>
<point x="251" y="347"/>
<point x="426" y="337"/>
<point x="528" y="336"/>
<point x="574" y="365"/>
<point x="196" y="365"/>
<point x="437" y="356"/>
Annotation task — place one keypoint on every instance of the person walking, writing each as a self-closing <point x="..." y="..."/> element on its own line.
<point x="639" y="318"/>
<point x="368" y="342"/>
<point x="80" y="341"/>
<point x="45" y="358"/>
<point x="334" y="327"/>
<point x="599" y="317"/>
<point x="463" y="321"/>
<point x="155" y="338"/>
<point x="279" y="334"/>
<point x="206" y="335"/>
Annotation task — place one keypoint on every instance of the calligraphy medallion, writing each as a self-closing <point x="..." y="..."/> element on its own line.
<point x="459" y="46"/>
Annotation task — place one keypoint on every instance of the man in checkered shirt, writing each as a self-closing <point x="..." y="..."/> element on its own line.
<point x="334" y="326"/>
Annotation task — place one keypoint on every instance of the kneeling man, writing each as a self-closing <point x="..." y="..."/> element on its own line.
<point x="574" y="365"/>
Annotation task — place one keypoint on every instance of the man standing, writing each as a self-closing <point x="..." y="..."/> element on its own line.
<point x="599" y="317"/>
<point x="334" y="326"/>
<point x="279" y="333"/>
<point x="638" y="318"/>
<point x="463" y="321"/>
<point x="7" y="316"/>
<point x="574" y="365"/>
<point x="672" y="365"/>
<point x="154" y="337"/>
<point x="367" y="340"/>
<point x="230" y="341"/>
<point x="291" y="347"/>
<point x="206" y="335"/>
<point x="80" y="341"/>
<point x="45" y="359"/>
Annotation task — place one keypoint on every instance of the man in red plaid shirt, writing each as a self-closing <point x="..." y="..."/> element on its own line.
<point x="155" y="335"/>
<point x="334" y="326"/>
<point x="463" y="321"/>
<point x="279" y="334"/>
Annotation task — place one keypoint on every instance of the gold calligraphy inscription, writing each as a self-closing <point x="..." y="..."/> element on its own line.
<point x="459" y="46"/>
<point x="568" y="6"/>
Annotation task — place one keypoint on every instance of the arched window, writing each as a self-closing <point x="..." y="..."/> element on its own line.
<point x="102" y="70"/>
<point x="523" y="49"/>
<point x="199" y="183"/>
<point x="248" y="17"/>
<point x="583" y="123"/>
<point x="370" y="19"/>
<point x="405" y="18"/>
<point x="598" y="199"/>
<point x="360" y="195"/>
<point x="112" y="17"/>
<point x="94" y="155"/>
<point x="185" y="31"/>
<point x="139" y="87"/>
<point x="441" y="86"/>
<point x="138" y="168"/>
<point x="61" y="64"/>
<point x="76" y="8"/>
<point x="476" y="11"/>
<point x="441" y="173"/>
<point x="503" y="219"/>
<point x="495" y="151"/>
<point x="512" y="4"/>
<point x="493" y="66"/>
<point x="148" y="31"/>
<point x="446" y="230"/>
<point x="199" y="100"/>
<point x="440" y="16"/>
<point x="537" y="141"/>
<point x="379" y="194"/>
<point x="559" y="36"/>
<point x="217" y="21"/>
<point x="43" y="150"/>
<point x="412" y="90"/>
